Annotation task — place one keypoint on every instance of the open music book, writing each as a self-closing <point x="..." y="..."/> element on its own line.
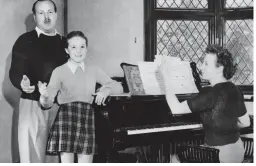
<point x="145" y="78"/>
<point x="151" y="78"/>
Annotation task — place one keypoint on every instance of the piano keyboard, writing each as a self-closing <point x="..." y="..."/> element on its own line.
<point x="164" y="129"/>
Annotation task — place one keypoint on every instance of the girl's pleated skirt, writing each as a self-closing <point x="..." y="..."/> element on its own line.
<point x="73" y="130"/>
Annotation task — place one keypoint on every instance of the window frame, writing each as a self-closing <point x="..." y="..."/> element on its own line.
<point x="226" y="14"/>
<point x="216" y="14"/>
<point x="152" y="14"/>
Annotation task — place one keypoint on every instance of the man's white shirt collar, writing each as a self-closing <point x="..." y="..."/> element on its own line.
<point x="39" y="31"/>
<point x="73" y="67"/>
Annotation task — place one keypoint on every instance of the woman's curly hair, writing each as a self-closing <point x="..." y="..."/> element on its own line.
<point x="224" y="58"/>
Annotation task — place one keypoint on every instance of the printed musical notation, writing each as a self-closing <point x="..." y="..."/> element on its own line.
<point x="152" y="81"/>
<point x="180" y="76"/>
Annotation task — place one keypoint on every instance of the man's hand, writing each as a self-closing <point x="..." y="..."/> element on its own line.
<point x="25" y="85"/>
<point x="101" y="96"/>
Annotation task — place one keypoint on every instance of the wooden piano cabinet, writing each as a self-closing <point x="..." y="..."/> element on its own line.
<point x="125" y="112"/>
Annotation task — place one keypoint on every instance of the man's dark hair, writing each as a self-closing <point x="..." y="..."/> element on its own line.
<point x="224" y="58"/>
<point x="34" y="5"/>
<point x="75" y="34"/>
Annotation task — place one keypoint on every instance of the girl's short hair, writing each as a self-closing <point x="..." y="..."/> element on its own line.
<point x="224" y="58"/>
<point x="76" y="34"/>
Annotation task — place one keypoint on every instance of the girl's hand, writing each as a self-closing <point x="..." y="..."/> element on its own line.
<point x="44" y="100"/>
<point x="101" y="96"/>
<point x="42" y="87"/>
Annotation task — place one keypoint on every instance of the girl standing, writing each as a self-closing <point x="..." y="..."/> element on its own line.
<point x="73" y="131"/>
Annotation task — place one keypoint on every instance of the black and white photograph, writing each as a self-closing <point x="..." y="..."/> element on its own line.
<point x="127" y="81"/>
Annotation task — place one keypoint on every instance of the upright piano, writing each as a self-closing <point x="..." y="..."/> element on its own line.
<point x="136" y="121"/>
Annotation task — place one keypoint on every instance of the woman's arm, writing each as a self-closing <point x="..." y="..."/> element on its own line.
<point x="244" y="121"/>
<point x="174" y="104"/>
<point x="203" y="101"/>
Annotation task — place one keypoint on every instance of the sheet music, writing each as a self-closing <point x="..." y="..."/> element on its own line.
<point x="151" y="79"/>
<point x="180" y="76"/>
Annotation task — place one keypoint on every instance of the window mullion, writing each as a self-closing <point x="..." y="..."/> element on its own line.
<point x="212" y="22"/>
<point x="150" y="30"/>
<point x="219" y="6"/>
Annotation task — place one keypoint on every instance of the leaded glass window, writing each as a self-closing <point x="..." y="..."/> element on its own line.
<point x="238" y="39"/>
<point x="238" y="3"/>
<point x="182" y="4"/>
<point x="184" y="28"/>
<point x="184" y="39"/>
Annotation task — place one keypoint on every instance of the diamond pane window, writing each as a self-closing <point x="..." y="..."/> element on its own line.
<point x="187" y="4"/>
<point x="238" y="39"/>
<point x="238" y="3"/>
<point x="185" y="39"/>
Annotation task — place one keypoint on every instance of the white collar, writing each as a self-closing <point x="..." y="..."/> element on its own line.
<point x="39" y="31"/>
<point x="73" y="66"/>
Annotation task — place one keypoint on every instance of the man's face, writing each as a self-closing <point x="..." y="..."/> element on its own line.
<point x="45" y="16"/>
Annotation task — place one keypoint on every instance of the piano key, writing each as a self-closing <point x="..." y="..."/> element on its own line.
<point x="158" y="125"/>
<point x="162" y="129"/>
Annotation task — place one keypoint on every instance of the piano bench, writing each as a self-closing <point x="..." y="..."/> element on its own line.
<point x="197" y="154"/>
<point x="188" y="153"/>
<point x="248" y="145"/>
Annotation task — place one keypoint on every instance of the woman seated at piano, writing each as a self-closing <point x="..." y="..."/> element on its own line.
<point x="221" y="105"/>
